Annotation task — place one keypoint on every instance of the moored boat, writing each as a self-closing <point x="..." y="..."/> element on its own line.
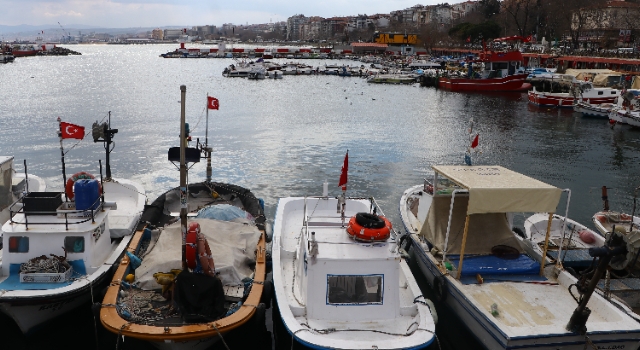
<point x="583" y="90"/>
<point x="339" y="279"/>
<point x="587" y="109"/>
<point x="59" y="248"/>
<point x="500" y="73"/>
<point x="461" y="237"/>
<point x="191" y="292"/>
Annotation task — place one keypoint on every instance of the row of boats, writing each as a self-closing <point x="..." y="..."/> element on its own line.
<point x="190" y="268"/>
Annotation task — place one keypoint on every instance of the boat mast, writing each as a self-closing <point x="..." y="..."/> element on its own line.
<point x="183" y="175"/>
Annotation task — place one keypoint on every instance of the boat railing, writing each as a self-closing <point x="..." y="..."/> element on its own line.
<point x="51" y="204"/>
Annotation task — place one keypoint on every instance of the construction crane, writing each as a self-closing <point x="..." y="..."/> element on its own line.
<point x="65" y="37"/>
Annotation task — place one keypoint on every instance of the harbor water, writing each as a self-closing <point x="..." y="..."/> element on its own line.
<point x="286" y="137"/>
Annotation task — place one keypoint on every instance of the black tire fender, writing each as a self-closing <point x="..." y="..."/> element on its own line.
<point x="367" y="220"/>
<point x="440" y="288"/>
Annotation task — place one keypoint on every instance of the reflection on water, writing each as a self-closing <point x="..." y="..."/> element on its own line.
<point x="286" y="137"/>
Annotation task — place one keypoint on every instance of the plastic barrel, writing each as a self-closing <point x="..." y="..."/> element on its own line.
<point x="86" y="194"/>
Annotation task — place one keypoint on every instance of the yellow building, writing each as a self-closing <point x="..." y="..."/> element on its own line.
<point x="390" y="38"/>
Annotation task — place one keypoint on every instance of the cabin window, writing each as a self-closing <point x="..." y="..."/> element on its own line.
<point x="74" y="244"/>
<point x="18" y="244"/>
<point x="354" y="289"/>
<point x="600" y="92"/>
<point x="500" y="65"/>
<point x="613" y="92"/>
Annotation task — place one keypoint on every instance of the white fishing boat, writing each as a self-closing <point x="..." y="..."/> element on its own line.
<point x="569" y="240"/>
<point x="59" y="249"/>
<point x="460" y="234"/>
<point x="339" y="279"/>
<point x="275" y="74"/>
<point x="587" y="109"/>
<point x="13" y="185"/>
<point x="257" y="72"/>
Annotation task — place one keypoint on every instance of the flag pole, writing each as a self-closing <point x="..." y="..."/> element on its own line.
<point x="207" y="149"/>
<point x="64" y="175"/>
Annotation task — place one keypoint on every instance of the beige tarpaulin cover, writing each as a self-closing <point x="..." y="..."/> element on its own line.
<point x="232" y="244"/>
<point x="636" y="83"/>
<point x="495" y="189"/>
<point x="603" y="79"/>
<point x="576" y="72"/>
<point x="485" y="230"/>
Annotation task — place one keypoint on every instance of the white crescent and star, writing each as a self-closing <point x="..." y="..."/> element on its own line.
<point x="71" y="130"/>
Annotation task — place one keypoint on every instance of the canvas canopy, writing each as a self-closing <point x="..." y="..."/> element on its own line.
<point x="485" y="230"/>
<point x="495" y="189"/>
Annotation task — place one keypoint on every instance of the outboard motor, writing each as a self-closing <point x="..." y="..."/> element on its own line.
<point x="620" y="250"/>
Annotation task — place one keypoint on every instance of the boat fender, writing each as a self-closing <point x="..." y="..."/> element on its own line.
<point x="586" y="237"/>
<point x="440" y="288"/>
<point x="68" y="189"/>
<point x="404" y="240"/>
<point x="267" y="293"/>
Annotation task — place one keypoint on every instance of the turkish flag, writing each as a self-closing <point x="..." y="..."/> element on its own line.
<point x="71" y="131"/>
<point x="343" y="174"/>
<point x="474" y="144"/>
<point x="469" y="39"/>
<point x="212" y="103"/>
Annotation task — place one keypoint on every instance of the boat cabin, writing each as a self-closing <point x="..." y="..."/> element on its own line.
<point x="43" y="225"/>
<point x="342" y="279"/>
<point x="500" y="64"/>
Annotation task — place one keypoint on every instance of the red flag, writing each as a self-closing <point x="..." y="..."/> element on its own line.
<point x="469" y="39"/>
<point x="474" y="144"/>
<point x="71" y="131"/>
<point x="527" y="39"/>
<point x="212" y="103"/>
<point x="343" y="174"/>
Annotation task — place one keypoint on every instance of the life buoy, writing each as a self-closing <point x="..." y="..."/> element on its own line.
<point x="369" y="227"/>
<point x="68" y="189"/>
<point x="197" y="247"/>
<point x="191" y="242"/>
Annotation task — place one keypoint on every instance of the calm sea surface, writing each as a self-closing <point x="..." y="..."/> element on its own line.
<point x="286" y="137"/>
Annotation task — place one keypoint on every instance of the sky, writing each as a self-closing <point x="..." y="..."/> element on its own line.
<point x="158" y="13"/>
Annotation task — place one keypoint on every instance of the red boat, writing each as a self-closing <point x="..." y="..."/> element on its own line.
<point x="500" y="72"/>
<point x="580" y="90"/>
<point x="24" y="50"/>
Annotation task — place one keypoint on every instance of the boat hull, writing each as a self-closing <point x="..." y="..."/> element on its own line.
<point x="593" y="111"/>
<point x="513" y="83"/>
<point x="32" y="312"/>
<point x="542" y="99"/>
<point x="492" y="338"/>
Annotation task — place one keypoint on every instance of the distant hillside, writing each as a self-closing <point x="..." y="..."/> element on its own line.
<point x="26" y="32"/>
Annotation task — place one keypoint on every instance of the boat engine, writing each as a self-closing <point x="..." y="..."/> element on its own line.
<point x="620" y="249"/>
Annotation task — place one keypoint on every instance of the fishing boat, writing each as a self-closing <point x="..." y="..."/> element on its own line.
<point x="626" y="110"/>
<point x="579" y="90"/>
<point x="196" y="274"/>
<point x="500" y="72"/>
<point x="459" y="231"/>
<point x="587" y="109"/>
<point x="60" y="248"/>
<point x="14" y="185"/>
<point x="339" y="279"/>
<point x="569" y="241"/>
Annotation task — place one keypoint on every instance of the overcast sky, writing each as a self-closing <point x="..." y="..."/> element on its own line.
<point x="157" y="13"/>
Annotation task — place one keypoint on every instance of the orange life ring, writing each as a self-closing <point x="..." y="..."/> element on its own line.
<point x="191" y="244"/>
<point x="68" y="189"/>
<point x="197" y="247"/>
<point x="358" y="231"/>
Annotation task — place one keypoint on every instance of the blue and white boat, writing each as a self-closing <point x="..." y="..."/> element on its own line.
<point x="59" y="253"/>
<point x="460" y="233"/>
<point x="339" y="285"/>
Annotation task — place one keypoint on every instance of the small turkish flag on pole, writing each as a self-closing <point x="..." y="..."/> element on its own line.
<point x="474" y="144"/>
<point x="212" y="103"/>
<point x="343" y="174"/>
<point x="71" y="131"/>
